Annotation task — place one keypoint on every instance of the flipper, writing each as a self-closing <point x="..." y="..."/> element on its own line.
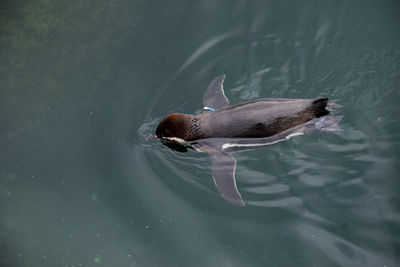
<point x="214" y="97"/>
<point x="223" y="170"/>
<point x="224" y="165"/>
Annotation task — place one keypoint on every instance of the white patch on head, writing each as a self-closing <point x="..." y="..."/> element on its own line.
<point x="198" y="150"/>
<point x="228" y="145"/>
<point x="178" y="140"/>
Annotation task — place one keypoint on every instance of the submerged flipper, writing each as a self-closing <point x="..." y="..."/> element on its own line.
<point x="324" y="124"/>
<point x="214" y="97"/>
<point x="333" y="105"/>
<point x="224" y="165"/>
<point x="223" y="170"/>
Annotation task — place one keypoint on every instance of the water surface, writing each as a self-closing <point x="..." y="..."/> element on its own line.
<point x="84" y="83"/>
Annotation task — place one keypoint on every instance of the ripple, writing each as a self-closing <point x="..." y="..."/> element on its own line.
<point x="312" y="180"/>
<point x="287" y="203"/>
<point x="341" y="251"/>
<point x="272" y="189"/>
<point x="202" y="49"/>
<point x="312" y="165"/>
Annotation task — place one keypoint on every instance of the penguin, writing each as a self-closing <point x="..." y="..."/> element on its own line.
<point x="222" y="128"/>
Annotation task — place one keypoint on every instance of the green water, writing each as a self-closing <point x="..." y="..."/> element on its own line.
<point x="83" y="83"/>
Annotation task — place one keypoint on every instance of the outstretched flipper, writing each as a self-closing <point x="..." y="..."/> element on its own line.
<point x="214" y="97"/>
<point x="223" y="170"/>
<point x="224" y="165"/>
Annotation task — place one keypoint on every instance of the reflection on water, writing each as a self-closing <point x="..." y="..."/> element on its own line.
<point x="84" y="85"/>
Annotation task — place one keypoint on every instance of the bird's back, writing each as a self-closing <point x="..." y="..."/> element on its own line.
<point x="263" y="117"/>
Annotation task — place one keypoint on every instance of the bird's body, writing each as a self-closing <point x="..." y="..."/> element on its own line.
<point x="254" y="119"/>
<point x="221" y="129"/>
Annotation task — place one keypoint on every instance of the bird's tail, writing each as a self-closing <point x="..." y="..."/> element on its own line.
<point x="319" y="107"/>
<point x="322" y="107"/>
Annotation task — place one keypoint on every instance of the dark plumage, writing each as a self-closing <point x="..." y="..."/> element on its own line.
<point x="259" y="118"/>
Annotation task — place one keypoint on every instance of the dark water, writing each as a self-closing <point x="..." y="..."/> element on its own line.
<point x="83" y="83"/>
